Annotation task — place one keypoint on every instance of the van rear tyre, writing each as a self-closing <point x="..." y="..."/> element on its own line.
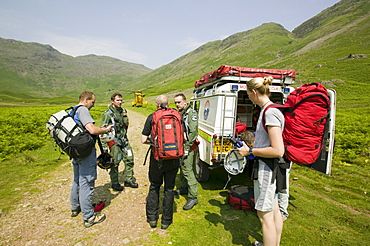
<point x="200" y="168"/>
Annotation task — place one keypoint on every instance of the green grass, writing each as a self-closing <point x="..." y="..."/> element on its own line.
<point x="324" y="210"/>
<point x="19" y="173"/>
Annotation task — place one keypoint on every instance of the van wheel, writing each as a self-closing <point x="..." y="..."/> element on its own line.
<point x="200" y="169"/>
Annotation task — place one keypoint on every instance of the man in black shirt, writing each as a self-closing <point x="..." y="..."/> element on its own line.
<point x="159" y="172"/>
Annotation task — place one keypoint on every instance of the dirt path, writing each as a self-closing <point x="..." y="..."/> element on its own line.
<point x="44" y="219"/>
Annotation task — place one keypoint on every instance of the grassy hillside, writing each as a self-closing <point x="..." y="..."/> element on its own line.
<point x="332" y="48"/>
<point x="317" y="49"/>
<point x="41" y="70"/>
<point x="249" y="48"/>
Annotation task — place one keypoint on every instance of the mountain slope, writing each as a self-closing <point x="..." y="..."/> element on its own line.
<point x="249" y="48"/>
<point x="332" y="48"/>
<point x="336" y="53"/>
<point x="41" y="70"/>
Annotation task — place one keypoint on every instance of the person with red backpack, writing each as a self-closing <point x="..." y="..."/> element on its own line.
<point x="268" y="148"/>
<point x="164" y="131"/>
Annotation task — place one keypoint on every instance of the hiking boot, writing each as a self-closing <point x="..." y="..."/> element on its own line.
<point x="131" y="184"/>
<point x="256" y="243"/>
<point x="76" y="212"/>
<point x="190" y="203"/>
<point x="97" y="218"/>
<point x="181" y="192"/>
<point x="165" y="226"/>
<point x="117" y="187"/>
<point x="152" y="223"/>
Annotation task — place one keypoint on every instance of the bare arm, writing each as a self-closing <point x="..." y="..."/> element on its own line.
<point x="145" y="139"/>
<point x="94" y="130"/>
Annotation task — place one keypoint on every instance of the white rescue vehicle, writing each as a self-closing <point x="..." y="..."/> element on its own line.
<point x="221" y="99"/>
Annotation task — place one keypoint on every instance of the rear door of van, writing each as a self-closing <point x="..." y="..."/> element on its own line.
<point x="323" y="163"/>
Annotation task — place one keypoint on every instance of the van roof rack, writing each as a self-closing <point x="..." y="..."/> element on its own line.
<point x="227" y="74"/>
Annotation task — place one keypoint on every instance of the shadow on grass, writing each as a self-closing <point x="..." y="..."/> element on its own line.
<point x="243" y="225"/>
<point x="219" y="178"/>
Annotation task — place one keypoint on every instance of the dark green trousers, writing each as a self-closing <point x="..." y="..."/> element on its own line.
<point x="127" y="156"/>
<point x="187" y="176"/>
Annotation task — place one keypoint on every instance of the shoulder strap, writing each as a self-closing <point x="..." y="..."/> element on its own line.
<point x="274" y="105"/>
<point x="113" y="121"/>
<point x="74" y="111"/>
<point x="100" y="146"/>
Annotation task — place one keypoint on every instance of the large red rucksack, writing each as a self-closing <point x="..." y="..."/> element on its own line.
<point x="306" y="113"/>
<point x="241" y="197"/>
<point x="167" y="134"/>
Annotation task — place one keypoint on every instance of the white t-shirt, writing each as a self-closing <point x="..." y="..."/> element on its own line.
<point x="273" y="117"/>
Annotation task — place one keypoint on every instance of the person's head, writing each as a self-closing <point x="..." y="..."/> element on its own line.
<point x="116" y="100"/>
<point x="258" y="87"/>
<point x="180" y="101"/>
<point x="87" y="99"/>
<point x="248" y="138"/>
<point x="161" y="101"/>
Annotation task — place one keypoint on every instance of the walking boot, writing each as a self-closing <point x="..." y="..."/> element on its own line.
<point x="192" y="201"/>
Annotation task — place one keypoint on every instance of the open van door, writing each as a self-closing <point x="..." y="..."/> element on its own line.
<point x="323" y="163"/>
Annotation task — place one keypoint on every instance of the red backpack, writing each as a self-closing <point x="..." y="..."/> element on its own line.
<point x="167" y="134"/>
<point x="306" y="113"/>
<point x="241" y="197"/>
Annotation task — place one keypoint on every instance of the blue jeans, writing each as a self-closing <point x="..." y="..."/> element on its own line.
<point x="82" y="191"/>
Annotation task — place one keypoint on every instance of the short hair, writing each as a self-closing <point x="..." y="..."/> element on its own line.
<point x="88" y="95"/>
<point x="114" y="95"/>
<point x="181" y="95"/>
<point x="247" y="137"/>
<point x="162" y="101"/>
<point x="262" y="85"/>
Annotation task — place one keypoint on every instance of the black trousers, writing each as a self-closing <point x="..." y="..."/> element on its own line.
<point x="158" y="173"/>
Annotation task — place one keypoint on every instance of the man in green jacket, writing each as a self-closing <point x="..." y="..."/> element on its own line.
<point x="189" y="184"/>
<point x="120" y="148"/>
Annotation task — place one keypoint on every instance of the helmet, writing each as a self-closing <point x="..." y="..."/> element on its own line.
<point x="234" y="163"/>
<point x="109" y="136"/>
<point x="104" y="161"/>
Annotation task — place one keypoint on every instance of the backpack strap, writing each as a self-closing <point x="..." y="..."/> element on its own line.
<point x="100" y="146"/>
<point x="273" y="105"/>
<point x="73" y="111"/>
<point x="113" y="121"/>
<point x="147" y="153"/>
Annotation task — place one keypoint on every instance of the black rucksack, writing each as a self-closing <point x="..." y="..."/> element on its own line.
<point x="70" y="136"/>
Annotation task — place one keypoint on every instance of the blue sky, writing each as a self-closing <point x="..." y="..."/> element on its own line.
<point x="148" y="32"/>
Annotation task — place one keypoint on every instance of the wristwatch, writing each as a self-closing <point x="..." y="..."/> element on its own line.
<point x="251" y="150"/>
